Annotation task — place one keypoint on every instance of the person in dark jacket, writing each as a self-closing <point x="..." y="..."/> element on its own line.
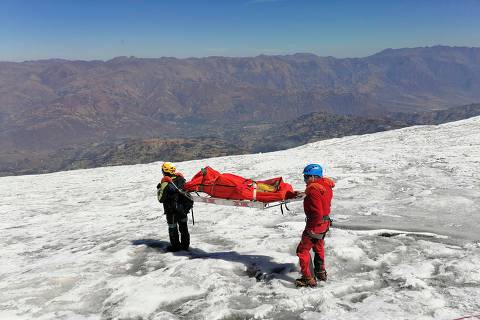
<point x="316" y="205"/>
<point x="176" y="208"/>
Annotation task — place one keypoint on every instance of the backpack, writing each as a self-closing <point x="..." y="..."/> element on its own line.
<point x="185" y="199"/>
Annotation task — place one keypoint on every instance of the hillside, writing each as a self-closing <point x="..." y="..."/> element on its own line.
<point x="91" y="244"/>
<point x="211" y="140"/>
<point x="49" y="104"/>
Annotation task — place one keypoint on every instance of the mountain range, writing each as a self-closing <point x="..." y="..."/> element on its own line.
<point x="50" y="106"/>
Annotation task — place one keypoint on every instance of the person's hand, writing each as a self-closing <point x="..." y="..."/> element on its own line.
<point x="298" y="194"/>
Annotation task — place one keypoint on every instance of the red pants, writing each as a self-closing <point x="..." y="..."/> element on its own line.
<point x="303" y="253"/>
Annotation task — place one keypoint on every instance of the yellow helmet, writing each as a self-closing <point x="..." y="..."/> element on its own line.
<point x="168" y="167"/>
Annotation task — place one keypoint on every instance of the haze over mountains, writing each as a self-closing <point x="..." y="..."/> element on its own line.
<point x="49" y="105"/>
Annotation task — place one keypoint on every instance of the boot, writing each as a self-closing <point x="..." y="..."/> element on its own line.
<point x="306" y="282"/>
<point x="321" y="275"/>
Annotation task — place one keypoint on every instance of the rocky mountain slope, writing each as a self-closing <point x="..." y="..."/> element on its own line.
<point x="214" y="141"/>
<point x="50" y="103"/>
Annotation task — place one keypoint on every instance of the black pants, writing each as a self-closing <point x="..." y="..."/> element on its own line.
<point x="178" y="222"/>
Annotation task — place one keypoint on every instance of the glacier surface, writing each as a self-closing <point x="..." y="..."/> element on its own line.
<point x="91" y="244"/>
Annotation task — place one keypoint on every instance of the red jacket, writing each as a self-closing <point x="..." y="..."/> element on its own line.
<point x="317" y="204"/>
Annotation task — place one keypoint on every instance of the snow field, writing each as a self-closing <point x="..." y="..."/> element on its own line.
<point x="90" y="244"/>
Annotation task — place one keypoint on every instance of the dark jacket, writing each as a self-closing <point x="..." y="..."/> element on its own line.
<point x="168" y="193"/>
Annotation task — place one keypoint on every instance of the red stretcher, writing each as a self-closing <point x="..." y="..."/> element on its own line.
<point x="211" y="186"/>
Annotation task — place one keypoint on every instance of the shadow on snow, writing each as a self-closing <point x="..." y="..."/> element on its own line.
<point x="260" y="267"/>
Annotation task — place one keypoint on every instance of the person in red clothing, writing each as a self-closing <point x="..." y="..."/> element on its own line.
<point x="316" y="205"/>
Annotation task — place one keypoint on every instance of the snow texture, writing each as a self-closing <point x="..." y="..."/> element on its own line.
<point x="91" y="244"/>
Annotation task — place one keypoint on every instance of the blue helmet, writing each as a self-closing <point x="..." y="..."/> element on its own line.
<point x="313" y="170"/>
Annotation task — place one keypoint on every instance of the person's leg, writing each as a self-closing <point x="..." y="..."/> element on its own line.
<point x="319" y="260"/>
<point x="303" y="253"/>
<point x="173" y="232"/>
<point x="184" y="234"/>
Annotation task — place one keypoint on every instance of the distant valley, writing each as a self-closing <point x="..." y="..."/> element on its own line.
<point x="227" y="141"/>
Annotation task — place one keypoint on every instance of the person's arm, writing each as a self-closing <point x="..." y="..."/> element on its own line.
<point x="164" y="188"/>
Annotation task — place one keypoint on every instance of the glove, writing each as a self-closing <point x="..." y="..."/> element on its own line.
<point x="159" y="185"/>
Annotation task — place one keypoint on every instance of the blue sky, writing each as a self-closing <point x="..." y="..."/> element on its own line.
<point x="102" y="29"/>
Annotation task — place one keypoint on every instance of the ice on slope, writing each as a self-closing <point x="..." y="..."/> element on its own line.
<point x="90" y="244"/>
